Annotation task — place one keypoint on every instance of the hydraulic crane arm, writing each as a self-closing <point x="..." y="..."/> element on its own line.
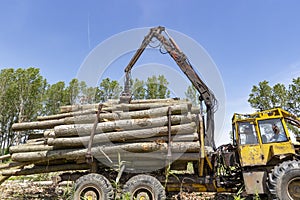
<point x="180" y="58"/>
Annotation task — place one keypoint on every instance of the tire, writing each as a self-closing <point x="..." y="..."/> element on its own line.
<point x="284" y="181"/>
<point x="93" y="186"/>
<point x="144" y="187"/>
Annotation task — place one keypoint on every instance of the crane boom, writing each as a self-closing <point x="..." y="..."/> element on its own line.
<point x="181" y="60"/>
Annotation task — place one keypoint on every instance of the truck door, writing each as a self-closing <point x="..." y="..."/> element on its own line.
<point x="250" y="149"/>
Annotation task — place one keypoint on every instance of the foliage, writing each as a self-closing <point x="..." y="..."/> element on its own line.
<point x="54" y="98"/>
<point x="263" y="97"/>
<point x="25" y="94"/>
<point x="294" y="96"/>
<point x="109" y="89"/>
<point x="138" y="89"/>
<point x="192" y="95"/>
<point x="157" y="87"/>
<point x="20" y="99"/>
<point x="238" y="195"/>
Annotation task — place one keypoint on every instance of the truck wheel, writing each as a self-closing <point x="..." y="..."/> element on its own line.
<point x="284" y="181"/>
<point x="144" y="187"/>
<point x="93" y="187"/>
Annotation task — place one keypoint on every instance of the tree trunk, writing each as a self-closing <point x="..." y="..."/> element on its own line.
<point x="64" y="115"/>
<point x="89" y="118"/>
<point x="123" y="136"/>
<point x="30" y="148"/>
<point x="5" y="157"/>
<point x="120" y="125"/>
<point x="74" y="154"/>
<point x="108" y="107"/>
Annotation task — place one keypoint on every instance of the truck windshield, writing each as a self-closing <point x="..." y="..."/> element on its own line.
<point x="272" y="131"/>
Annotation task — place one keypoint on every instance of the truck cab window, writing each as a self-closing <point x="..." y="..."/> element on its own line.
<point x="272" y="131"/>
<point x="247" y="133"/>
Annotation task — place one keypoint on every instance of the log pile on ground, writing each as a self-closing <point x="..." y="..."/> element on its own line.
<point x="143" y="133"/>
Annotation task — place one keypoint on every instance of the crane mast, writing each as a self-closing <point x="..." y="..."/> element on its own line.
<point x="205" y="95"/>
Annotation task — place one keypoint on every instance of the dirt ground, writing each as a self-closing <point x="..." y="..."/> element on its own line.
<point x="28" y="190"/>
<point x="15" y="190"/>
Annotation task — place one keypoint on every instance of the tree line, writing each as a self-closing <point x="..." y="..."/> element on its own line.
<point x="26" y="94"/>
<point x="264" y="96"/>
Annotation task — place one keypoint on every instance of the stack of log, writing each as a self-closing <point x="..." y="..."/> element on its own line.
<point x="141" y="133"/>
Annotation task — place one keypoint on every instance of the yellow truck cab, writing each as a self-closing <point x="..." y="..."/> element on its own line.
<point x="265" y="151"/>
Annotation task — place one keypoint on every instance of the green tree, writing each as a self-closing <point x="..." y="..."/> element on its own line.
<point x="157" y="88"/>
<point x="29" y="87"/>
<point x="109" y="89"/>
<point x="260" y="97"/>
<point x="21" y="100"/>
<point x="280" y="96"/>
<point x="7" y="108"/>
<point x="72" y="92"/>
<point x="294" y="96"/>
<point x="138" y="89"/>
<point x="89" y="95"/>
<point x="54" y="98"/>
<point x="264" y="96"/>
<point x="192" y="95"/>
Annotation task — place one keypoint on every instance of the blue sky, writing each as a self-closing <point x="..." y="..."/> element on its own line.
<point x="249" y="41"/>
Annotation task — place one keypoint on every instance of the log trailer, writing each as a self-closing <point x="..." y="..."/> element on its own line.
<point x="262" y="159"/>
<point x="262" y="165"/>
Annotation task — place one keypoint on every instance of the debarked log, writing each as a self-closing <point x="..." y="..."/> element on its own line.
<point x="123" y="136"/>
<point x="120" y="125"/>
<point x="79" y="153"/>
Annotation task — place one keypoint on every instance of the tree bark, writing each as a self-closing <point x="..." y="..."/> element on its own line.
<point x="120" y="125"/>
<point x="79" y="153"/>
<point x="30" y="148"/>
<point x="4" y="157"/>
<point x="108" y="107"/>
<point x="89" y="118"/>
<point x="123" y="136"/>
<point x="64" y="115"/>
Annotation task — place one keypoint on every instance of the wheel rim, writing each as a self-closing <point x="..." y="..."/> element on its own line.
<point x="91" y="192"/>
<point x="293" y="188"/>
<point x="143" y="193"/>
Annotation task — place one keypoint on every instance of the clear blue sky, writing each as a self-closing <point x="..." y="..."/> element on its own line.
<point x="250" y="41"/>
